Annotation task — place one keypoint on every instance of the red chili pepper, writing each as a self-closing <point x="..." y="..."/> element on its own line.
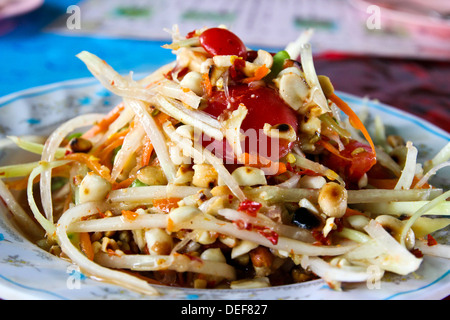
<point x="320" y="239"/>
<point x="191" y="34"/>
<point x="250" y="207"/>
<point x="269" y="234"/>
<point x="266" y="232"/>
<point x="236" y="70"/>
<point x="417" y="253"/>
<point x="193" y="258"/>
<point x="242" y="225"/>
<point x="431" y="241"/>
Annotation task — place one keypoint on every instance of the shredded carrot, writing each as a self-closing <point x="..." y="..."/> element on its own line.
<point x="261" y="162"/>
<point x="105" y="151"/>
<point x="112" y="252"/>
<point x="102" y="214"/>
<point x="68" y="201"/>
<point x="86" y="245"/>
<point x="151" y="84"/>
<point x="391" y="183"/>
<point x="123" y="184"/>
<point x="161" y="118"/>
<point x="104" y="124"/>
<point x="100" y="150"/>
<point x="352" y="212"/>
<point x="108" y="152"/>
<point x="170" y="225"/>
<point x="260" y="73"/>
<point x="353" y="118"/>
<point x="425" y="185"/>
<point x="129" y="215"/>
<point x="332" y="149"/>
<point x="147" y="152"/>
<point x="166" y="204"/>
<point x="92" y="163"/>
<point x="206" y="85"/>
<point x="119" y="134"/>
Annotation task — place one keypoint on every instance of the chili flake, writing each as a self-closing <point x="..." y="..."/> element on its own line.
<point x="250" y="207"/>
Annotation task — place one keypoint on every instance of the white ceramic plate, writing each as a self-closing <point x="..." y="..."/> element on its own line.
<point x="27" y="272"/>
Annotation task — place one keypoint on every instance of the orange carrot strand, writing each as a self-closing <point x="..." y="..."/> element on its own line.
<point x="353" y="117"/>
<point x="91" y="162"/>
<point x="86" y="245"/>
<point x="260" y="73"/>
<point x="147" y="152"/>
<point x="104" y="124"/>
<point x="206" y="84"/>
<point x="262" y="163"/>
<point x="332" y="149"/>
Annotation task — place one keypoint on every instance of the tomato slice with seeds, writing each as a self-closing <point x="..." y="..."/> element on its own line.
<point x="357" y="159"/>
<point x="219" y="41"/>
<point x="264" y="105"/>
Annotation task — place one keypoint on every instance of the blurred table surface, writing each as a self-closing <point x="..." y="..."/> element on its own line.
<point x="31" y="57"/>
<point x="416" y="86"/>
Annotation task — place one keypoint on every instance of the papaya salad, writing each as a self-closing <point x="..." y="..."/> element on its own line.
<point x="229" y="168"/>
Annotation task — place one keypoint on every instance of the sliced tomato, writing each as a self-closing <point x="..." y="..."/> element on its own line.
<point x="264" y="105"/>
<point x="354" y="161"/>
<point x="219" y="41"/>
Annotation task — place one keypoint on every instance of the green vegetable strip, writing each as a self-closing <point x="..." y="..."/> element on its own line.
<point x="34" y="147"/>
<point x="278" y="62"/>
<point x="48" y="225"/>
<point x="17" y="170"/>
<point x="137" y="183"/>
<point x="441" y="157"/>
<point x="423" y="210"/>
<point x="332" y="124"/>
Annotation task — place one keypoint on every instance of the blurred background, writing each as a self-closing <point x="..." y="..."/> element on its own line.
<point x="396" y="51"/>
